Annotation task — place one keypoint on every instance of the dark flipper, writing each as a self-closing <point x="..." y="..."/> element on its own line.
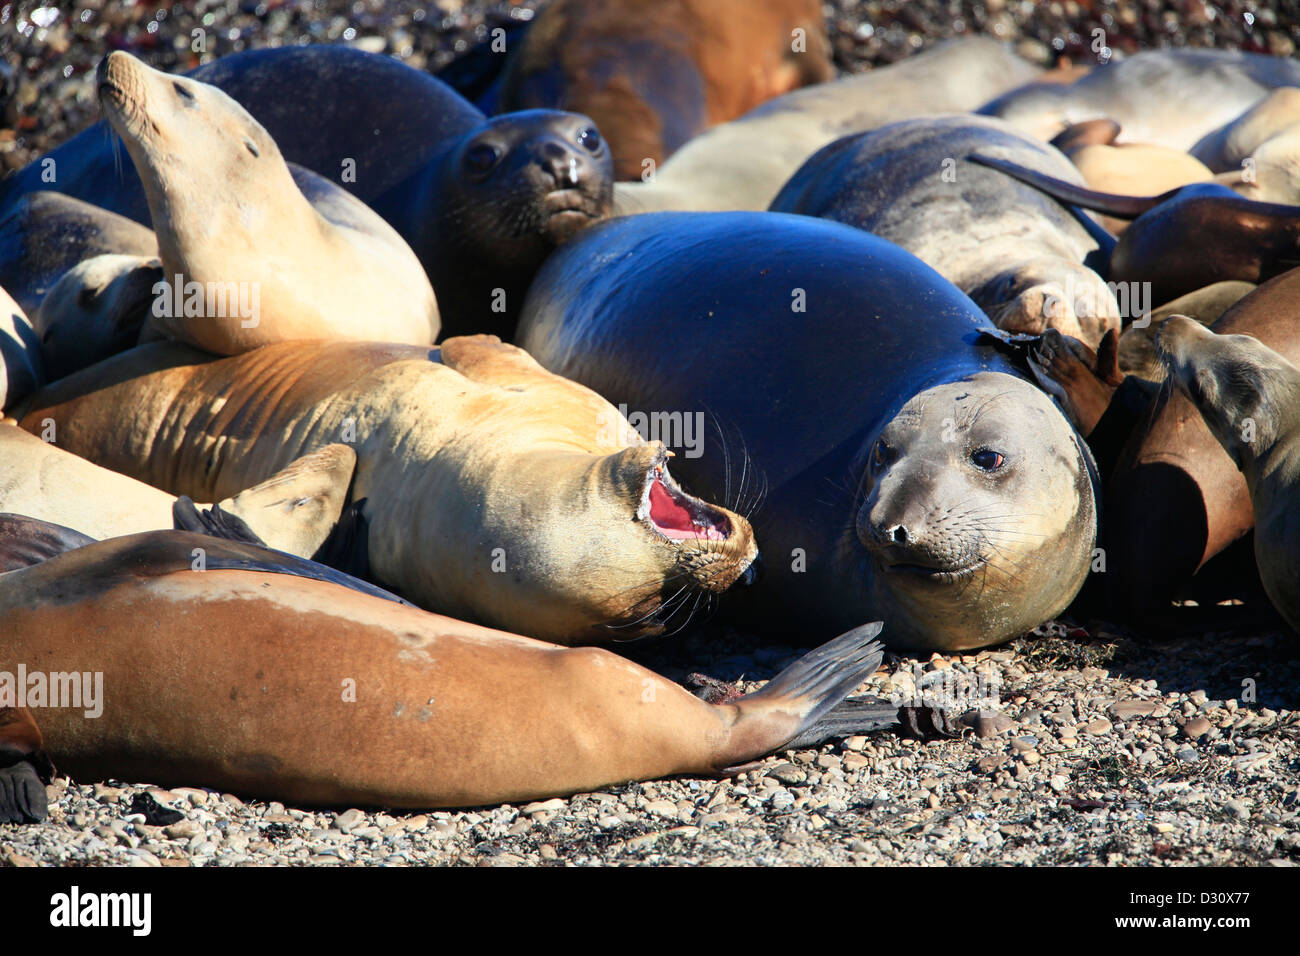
<point x="26" y="541"/>
<point x="853" y="715"/>
<point x="1121" y="207"/>
<point x="214" y="522"/>
<point x="22" y="794"/>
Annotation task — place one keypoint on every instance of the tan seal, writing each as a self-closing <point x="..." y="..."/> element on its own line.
<point x="259" y="260"/>
<point x="493" y="490"/>
<point x="261" y="682"/>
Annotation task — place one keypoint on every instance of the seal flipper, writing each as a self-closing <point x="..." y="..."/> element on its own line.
<point x="213" y="522"/>
<point x="24" y="768"/>
<point x="1121" y="207"/>
<point x="853" y="715"/>
<point x="26" y="541"/>
<point x="797" y="706"/>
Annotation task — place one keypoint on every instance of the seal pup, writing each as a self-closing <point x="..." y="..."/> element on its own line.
<point x="1017" y="253"/>
<point x="481" y="202"/>
<point x="44" y="234"/>
<point x="743" y="164"/>
<point x="242" y="684"/>
<point x="654" y="74"/>
<point x="98" y="308"/>
<point x="1165" y="97"/>
<point x="1249" y="397"/>
<point x="913" y="472"/>
<point x="1184" y="239"/>
<point x="232" y="225"/>
<point x="295" y="510"/>
<point x="567" y="523"/>
<point x="21" y="368"/>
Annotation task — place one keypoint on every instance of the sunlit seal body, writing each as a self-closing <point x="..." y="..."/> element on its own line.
<point x="481" y="202"/>
<point x="256" y="679"/>
<point x="744" y="163"/>
<point x="1249" y="397"/>
<point x="1019" y="254"/>
<point x="1165" y="97"/>
<point x="566" y="524"/>
<point x="294" y="510"/>
<point x="843" y="408"/>
<point x="1176" y="498"/>
<point x="653" y="74"/>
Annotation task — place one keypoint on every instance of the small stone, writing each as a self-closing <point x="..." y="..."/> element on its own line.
<point x="787" y="773"/>
<point x="543" y="806"/>
<point x="1132" y="708"/>
<point x="349" y="819"/>
<point x="230" y="800"/>
<point x="548" y="852"/>
<point x="987" y="723"/>
<point x="1068" y="732"/>
<point x="415" y="823"/>
<point x="854" y="762"/>
<point x="662" y="808"/>
<point x="1030" y="757"/>
<point x="856" y="743"/>
<point x="827" y="761"/>
<point x="183" y="830"/>
<point x="1187" y="755"/>
<point x="1237" y="809"/>
<point x="990" y="763"/>
<point x="1196" y="727"/>
<point x="1098" y="727"/>
<point x="1058" y="783"/>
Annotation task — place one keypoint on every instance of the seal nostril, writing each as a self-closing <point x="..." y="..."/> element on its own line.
<point x="899" y="535"/>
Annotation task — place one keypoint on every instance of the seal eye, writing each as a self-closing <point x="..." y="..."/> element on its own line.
<point x="589" y="139"/>
<point x="987" y="459"/>
<point x="184" y="94"/>
<point x="878" y="454"/>
<point x="249" y="145"/>
<point x="482" y="157"/>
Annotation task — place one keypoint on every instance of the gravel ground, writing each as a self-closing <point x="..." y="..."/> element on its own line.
<point x="1102" y="748"/>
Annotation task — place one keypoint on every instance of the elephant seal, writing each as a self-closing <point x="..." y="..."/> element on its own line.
<point x="1165" y="97"/>
<point x="232" y="225"/>
<point x="1248" y="396"/>
<point x="481" y="202"/>
<point x="914" y="474"/>
<point x="1184" y="239"/>
<point x="295" y="510"/>
<point x="44" y="234"/>
<point x="98" y="308"/>
<point x="567" y="524"/>
<point x="654" y="74"/>
<point x="744" y="163"/>
<point x="21" y="369"/>
<point x="1017" y="253"/>
<point x="242" y="684"/>
<point x="1175" y="499"/>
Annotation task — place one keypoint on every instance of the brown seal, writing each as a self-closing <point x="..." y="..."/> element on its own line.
<point x="655" y="73"/>
<point x="492" y="489"/>
<point x="1249" y="397"/>
<point x="262" y="681"/>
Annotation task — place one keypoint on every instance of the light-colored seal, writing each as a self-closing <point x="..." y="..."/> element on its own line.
<point x="21" y="368"/>
<point x="493" y="490"/>
<point x="260" y="682"/>
<point x="655" y="74"/>
<point x="1136" y="169"/>
<point x="294" y="510"/>
<point x="97" y="309"/>
<point x="1018" y="253"/>
<point x="1249" y="396"/>
<point x="1165" y="97"/>
<point x="1258" y="154"/>
<point x="913" y="473"/>
<point x="481" y="202"/>
<point x="744" y="163"/>
<point x="259" y="262"/>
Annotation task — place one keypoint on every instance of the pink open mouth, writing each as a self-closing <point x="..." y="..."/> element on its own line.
<point x="679" y="517"/>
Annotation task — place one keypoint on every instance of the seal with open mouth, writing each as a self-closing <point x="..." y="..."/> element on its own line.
<point x="492" y="490"/>
<point x="481" y="202"/>
<point x="914" y="474"/>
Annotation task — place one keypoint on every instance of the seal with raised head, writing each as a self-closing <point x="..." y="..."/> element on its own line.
<point x="1165" y="97"/>
<point x="240" y="683"/>
<point x="481" y="202"/>
<point x="1249" y="397"/>
<point x="743" y="164"/>
<point x="566" y="524"/>
<point x="655" y="73"/>
<point x="1017" y="253"/>
<point x="914" y="474"/>
<point x="295" y="510"/>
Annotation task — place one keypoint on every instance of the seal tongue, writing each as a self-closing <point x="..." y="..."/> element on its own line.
<point x="673" y="516"/>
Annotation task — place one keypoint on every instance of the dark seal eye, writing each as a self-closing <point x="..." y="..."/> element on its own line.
<point x="987" y="459"/>
<point x="482" y="157"/>
<point x="589" y="139"/>
<point x="184" y="94"/>
<point x="879" y="454"/>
